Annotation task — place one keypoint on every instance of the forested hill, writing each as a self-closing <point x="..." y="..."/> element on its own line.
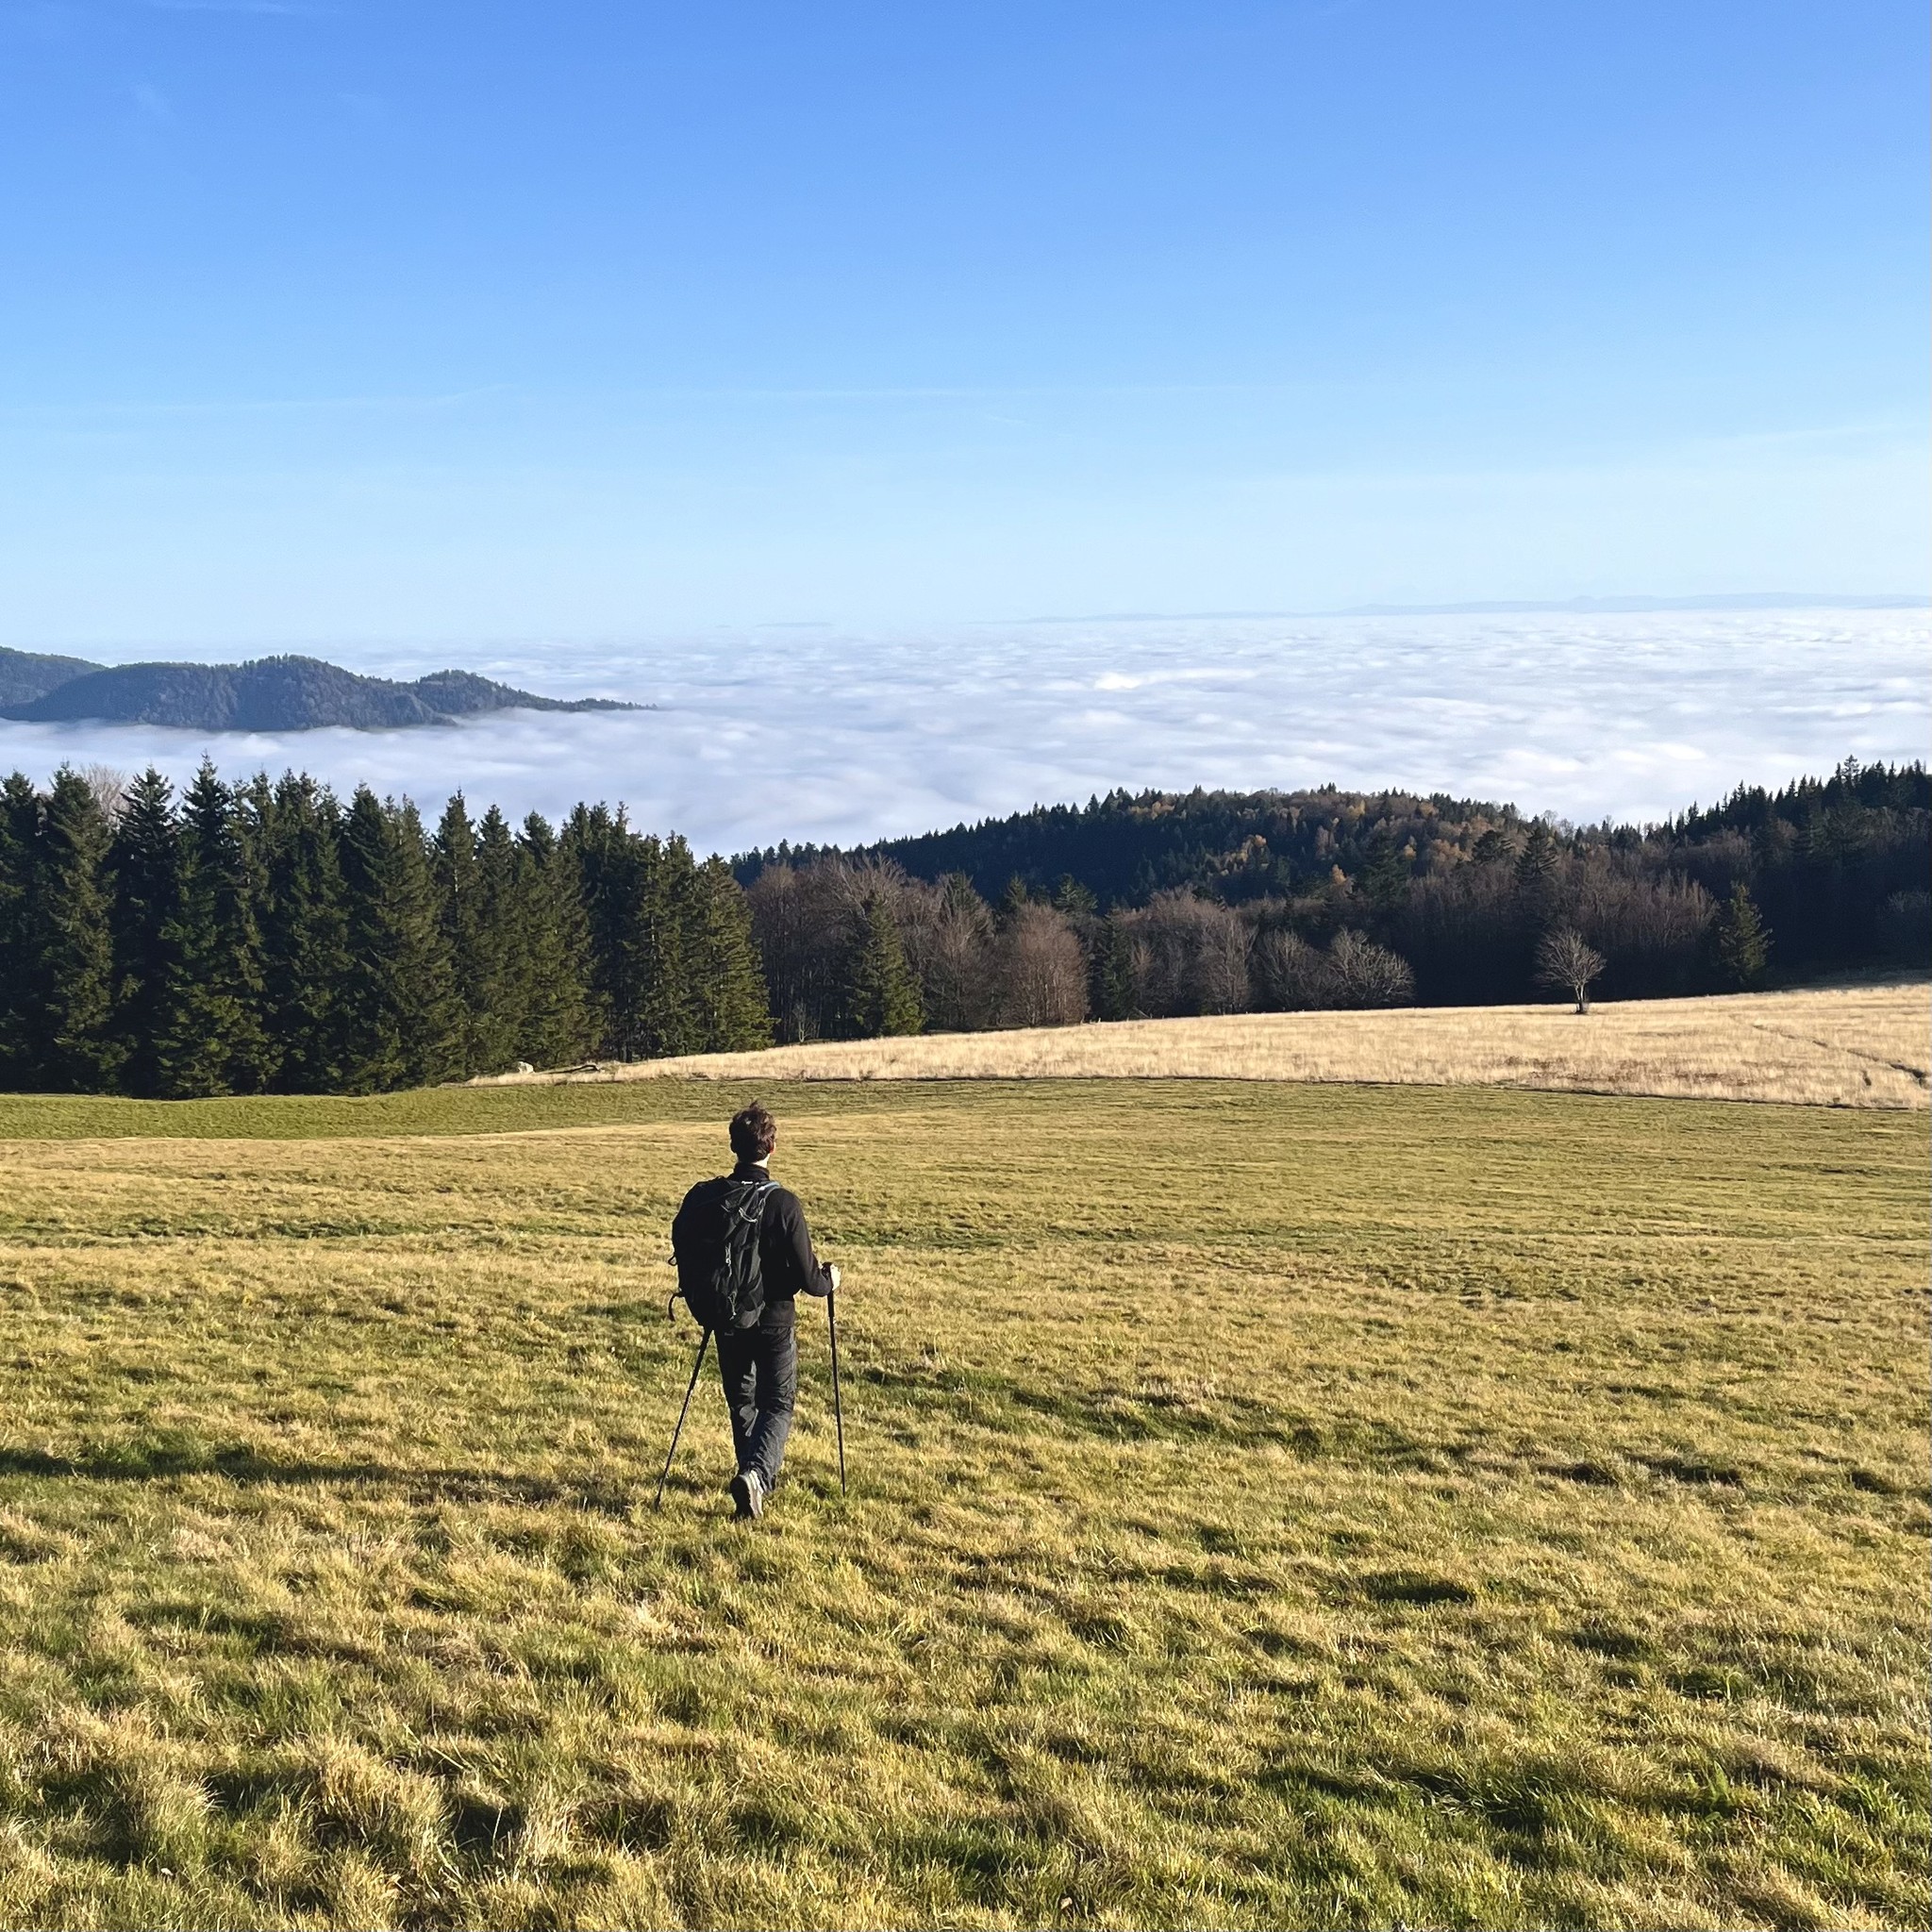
<point x="1127" y="846"/>
<point x="289" y="694"/>
<point x="1840" y="867"/>
<point x="25" y="675"/>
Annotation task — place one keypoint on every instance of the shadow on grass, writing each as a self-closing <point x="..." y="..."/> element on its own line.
<point x="169" y="1454"/>
<point x="995" y="1400"/>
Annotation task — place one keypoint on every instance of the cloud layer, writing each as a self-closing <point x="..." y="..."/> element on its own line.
<point x="809" y="733"/>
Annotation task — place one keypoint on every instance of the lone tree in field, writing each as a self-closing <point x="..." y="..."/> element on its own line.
<point x="1742" y="940"/>
<point x="1566" y="960"/>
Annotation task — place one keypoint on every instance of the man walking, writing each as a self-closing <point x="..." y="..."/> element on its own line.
<point x="744" y="1255"/>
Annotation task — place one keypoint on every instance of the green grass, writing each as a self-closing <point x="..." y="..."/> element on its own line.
<point x="1271" y="1505"/>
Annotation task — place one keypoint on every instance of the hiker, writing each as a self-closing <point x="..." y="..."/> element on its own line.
<point x="743" y="1254"/>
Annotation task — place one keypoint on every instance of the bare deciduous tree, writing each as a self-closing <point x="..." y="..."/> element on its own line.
<point x="1191" y="956"/>
<point x="1292" y="976"/>
<point x="949" y="940"/>
<point x="1353" y="971"/>
<point x="110" y="788"/>
<point x="800" y="917"/>
<point x="1221" y="965"/>
<point x="1565" y="959"/>
<point x="1042" y="971"/>
<point x="1367" y="975"/>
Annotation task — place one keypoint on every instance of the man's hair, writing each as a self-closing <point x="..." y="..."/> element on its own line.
<point x="753" y="1133"/>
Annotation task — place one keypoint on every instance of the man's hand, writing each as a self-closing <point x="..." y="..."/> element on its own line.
<point x="832" y="1269"/>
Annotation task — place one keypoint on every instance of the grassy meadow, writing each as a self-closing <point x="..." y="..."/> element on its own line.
<point x="1272" y="1505"/>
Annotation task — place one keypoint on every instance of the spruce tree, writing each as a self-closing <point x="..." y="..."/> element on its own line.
<point x="728" y="984"/>
<point x="880" y="994"/>
<point x="666" y="916"/>
<point x="1741" y="941"/>
<point x="1536" y="875"/>
<point x="244" y="890"/>
<point x="69" y="982"/>
<point x="453" y="864"/>
<point x="305" y="927"/>
<point x="1110" y="972"/>
<point x="402" y="1023"/>
<point x="598" y="854"/>
<point x="19" y="824"/>
<point x="1071" y="897"/>
<point x="212" y="1036"/>
<point x="500" y="984"/>
<point x="564" y="1019"/>
<point x="145" y="858"/>
<point x="1384" y="878"/>
<point x="1538" y="888"/>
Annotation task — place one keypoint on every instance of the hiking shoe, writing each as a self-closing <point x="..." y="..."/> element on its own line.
<point x="748" y="1494"/>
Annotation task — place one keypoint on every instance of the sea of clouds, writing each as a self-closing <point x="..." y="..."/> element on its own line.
<point x="811" y="733"/>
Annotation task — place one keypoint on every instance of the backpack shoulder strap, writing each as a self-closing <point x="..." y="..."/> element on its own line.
<point x="752" y="1197"/>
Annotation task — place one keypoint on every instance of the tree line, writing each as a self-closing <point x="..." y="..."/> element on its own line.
<point x="270" y="937"/>
<point x="1220" y="901"/>
<point x="264" y="939"/>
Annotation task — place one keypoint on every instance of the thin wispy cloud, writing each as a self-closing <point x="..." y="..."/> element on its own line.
<point x="811" y="733"/>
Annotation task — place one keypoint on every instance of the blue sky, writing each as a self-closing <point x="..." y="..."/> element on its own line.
<point x="343" y="322"/>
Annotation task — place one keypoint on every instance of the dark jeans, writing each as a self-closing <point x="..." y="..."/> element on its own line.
<point x="760" y="1371"/>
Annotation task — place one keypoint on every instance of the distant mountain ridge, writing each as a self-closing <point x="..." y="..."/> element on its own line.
<point x="290" y="694"/>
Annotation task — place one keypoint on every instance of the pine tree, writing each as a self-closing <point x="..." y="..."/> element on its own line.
<point x="564" y="1020"/>
<point x="1741" y="941"/>
<point x="69" y="983"/>
<point x="20" y="831"/>
<point x="305" y="927"/>
<point x="728" y="984"/>
<point x="880" y="994"/>
<point x="403" y="1024"/>
<point x="145" y="857"/>
<point x="212" y="1036"/>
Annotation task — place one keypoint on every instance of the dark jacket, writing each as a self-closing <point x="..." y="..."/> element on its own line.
<point x="785" y="1258"/>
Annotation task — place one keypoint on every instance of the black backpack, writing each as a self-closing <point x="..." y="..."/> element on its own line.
<point x="720" y="1273"/>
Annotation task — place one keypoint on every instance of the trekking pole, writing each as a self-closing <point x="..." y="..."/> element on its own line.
<point x="838" y="1409"/>
<point x="689" y="1388"/>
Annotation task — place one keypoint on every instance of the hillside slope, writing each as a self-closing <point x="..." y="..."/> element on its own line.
<point x="1857" y="1046"/>
<point x="25" y="675"/>
<point x="289" y="694"/>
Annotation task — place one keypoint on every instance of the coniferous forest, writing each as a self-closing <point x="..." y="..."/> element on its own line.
<point x="270" y="937"/>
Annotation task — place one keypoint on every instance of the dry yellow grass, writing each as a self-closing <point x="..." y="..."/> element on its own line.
<point x="1271" y="1505"/>
<point x="1857" y="1046"/>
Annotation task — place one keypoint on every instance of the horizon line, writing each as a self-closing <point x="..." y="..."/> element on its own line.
<point x="1500" y="606"/>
